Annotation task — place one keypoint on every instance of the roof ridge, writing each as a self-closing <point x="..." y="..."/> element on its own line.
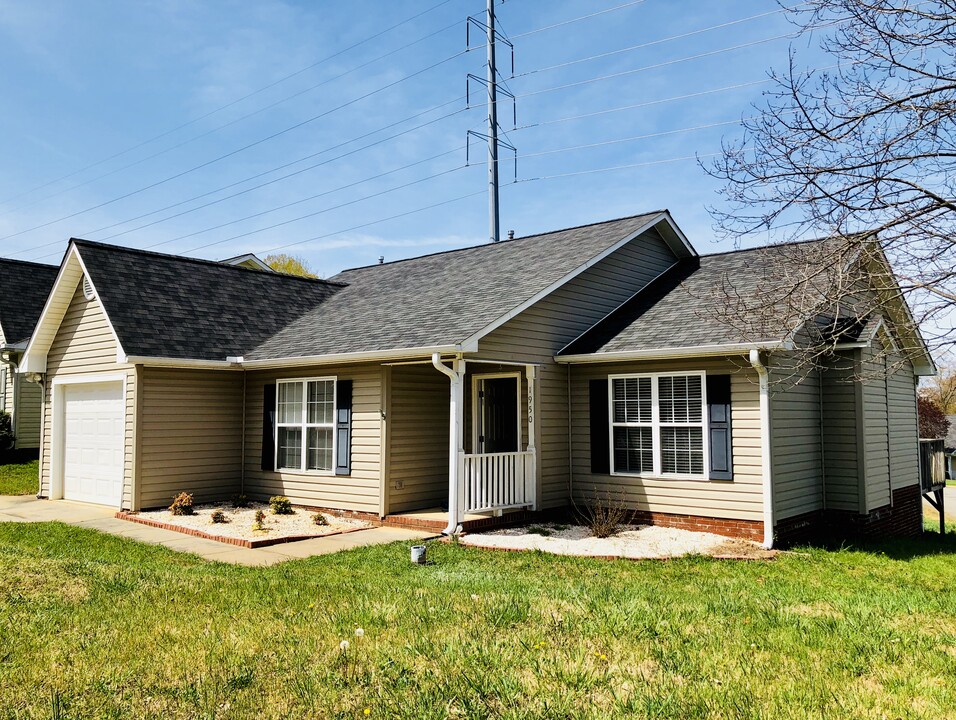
<point x="765" y="247"/>
<point x="502" y="242"/>
<point x="203" y="261"/>
<point x="28" y="262"/>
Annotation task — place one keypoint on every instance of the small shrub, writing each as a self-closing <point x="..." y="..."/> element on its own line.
<point x="320" y="519"/>
<point x="259" y="523"/>
<point x="281" y="505"/>
<point x="182" y="504"/>
<point x="538" y="530"/>
<point x="603" y="515"/>
<point x="6" y="431"/>
<point x="240" y="501"/>
<point x="218" y="517"/>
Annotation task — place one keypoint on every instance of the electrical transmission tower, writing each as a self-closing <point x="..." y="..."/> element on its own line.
<point x="490" y="81"/>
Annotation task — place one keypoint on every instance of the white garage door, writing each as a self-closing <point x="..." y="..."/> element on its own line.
<point x="93" y="440"/>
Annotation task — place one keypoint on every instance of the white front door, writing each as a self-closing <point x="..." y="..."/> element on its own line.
<point x="93" y="442"/>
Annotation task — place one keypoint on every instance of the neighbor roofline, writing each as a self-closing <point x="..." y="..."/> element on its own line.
<point x="690" y="351"/>
<point x="653" y="221"/>
<point x="248" y="257"/>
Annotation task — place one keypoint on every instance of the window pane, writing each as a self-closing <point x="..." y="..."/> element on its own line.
<point x="632" y="400"/>
<point x="290" y="403"/>
<point x="682" y="450"/>
<point x="290" y="448"/>
<point x="632" y="450"/>
<point x="680" y="398"/>
<point x="321" y="400"/>
<point x="320" y="449"/>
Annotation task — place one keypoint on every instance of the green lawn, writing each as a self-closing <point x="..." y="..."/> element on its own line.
<point x="98" y="626"/>
<point x="19" y="478"/>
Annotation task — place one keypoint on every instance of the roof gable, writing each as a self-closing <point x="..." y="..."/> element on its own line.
<point x="24" y="287"/>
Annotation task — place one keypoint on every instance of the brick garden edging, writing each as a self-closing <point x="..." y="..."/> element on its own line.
<point x="241" y="542"/>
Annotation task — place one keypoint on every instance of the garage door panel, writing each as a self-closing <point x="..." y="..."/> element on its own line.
<point x="93" y="442"/>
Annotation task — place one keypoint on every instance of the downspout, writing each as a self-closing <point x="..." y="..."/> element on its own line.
<point x="242" y="444"/>
<point x="454" y="433"/>
<point x="41" y="381"/>
<point x="823" y="450"/>
<point x="765" y="448"/>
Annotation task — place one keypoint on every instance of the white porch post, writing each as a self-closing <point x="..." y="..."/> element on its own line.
<point x="531" y="472"/>
<point x="456" y="442"/>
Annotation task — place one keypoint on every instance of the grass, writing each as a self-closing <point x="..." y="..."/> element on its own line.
<point x="19" y="478"/>
<point x="93" y="625"/>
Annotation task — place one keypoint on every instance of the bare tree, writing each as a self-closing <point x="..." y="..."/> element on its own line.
<point x="863" y="153"/>
<point x="941" y="390"/>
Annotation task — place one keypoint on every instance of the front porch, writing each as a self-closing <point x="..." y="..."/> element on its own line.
<point x="461" y="445"/>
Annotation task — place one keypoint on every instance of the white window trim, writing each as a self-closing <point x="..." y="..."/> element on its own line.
<point x="304" y="425"/>
<point x="3" y="388"/>
<point x="475" y="410"/>
<point x="656" y="426"/>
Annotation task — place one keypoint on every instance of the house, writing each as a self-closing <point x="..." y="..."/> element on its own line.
<point x="24" y="287"/>
<point x="470" y="387"/>
<point x="248" y="261"/>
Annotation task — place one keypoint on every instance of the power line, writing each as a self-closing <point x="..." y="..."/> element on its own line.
<point x="651" y="43"/>
<point x="617" y="167"/>
<point x="231" y="103"/>
<point x="577" y="19"/>
<point x="239" y="150"/>
<point x="235" y="121"/>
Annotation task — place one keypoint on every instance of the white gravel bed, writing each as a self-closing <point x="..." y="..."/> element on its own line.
<point x="631" y="541"/>
<point x="241" y="520"/>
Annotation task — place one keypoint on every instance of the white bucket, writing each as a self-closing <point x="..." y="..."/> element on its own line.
<point x="418" y="554"/>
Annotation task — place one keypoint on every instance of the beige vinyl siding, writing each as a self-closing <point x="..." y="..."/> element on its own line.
<point x="840" y="436"/>
<point x="739" y="499"/>
<point x="876" y="439"/>
<point x="418" y="438"/>
<point x="904" y="429"/>
<point x="190" y="436"/>
<point x="28" y="400"/>
<point x="84" y="345"/>
<point x="360" y="491"/>
<point x="539" y="332"/>
<point x="795" y="437"/>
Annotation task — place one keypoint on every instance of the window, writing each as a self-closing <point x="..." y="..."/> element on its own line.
<point x="658" y="425"/>
<point x="305" y="425"/>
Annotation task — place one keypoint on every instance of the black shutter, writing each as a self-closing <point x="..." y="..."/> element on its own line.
<point x="343" y="427"/>
<point x="269" y="427"/>
<point x="600" y="453"/>
<point x="718" y="413"/>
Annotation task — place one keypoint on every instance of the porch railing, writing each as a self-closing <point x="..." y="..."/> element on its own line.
<point x="498" y="481"/>
<point x="932" y="464"/>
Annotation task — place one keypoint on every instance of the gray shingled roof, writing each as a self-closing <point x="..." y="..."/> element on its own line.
<point x="678" y="309"/>
<point x="171" y="306"/>
<point x="24" y="287"/>
<point x="440" y="299"/>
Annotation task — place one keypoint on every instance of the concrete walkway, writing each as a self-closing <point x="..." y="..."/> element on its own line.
<point x="94" y="517"/>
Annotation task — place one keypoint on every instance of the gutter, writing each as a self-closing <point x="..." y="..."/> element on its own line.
<point x="765" y="455"/>
<point x="668" y="353"/>
<point x="456" y="375"/>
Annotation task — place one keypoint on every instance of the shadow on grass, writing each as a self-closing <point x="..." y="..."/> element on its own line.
<point x="930" y="543"/>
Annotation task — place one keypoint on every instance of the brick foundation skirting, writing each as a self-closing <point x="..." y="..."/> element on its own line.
<point x="902" y="518"/>
<point x="241" y="542"/>
<point x="746" y="529"/>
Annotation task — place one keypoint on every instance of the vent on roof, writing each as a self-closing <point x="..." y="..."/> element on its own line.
<point x="88" y="291"/>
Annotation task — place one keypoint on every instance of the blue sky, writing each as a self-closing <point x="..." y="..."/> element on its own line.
<point x="87" y="87"/>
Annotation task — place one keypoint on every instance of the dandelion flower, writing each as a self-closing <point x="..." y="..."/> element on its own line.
<point x="367" y="711"/>
<point x="359" y="632"/>
<point x="344" y="645"/>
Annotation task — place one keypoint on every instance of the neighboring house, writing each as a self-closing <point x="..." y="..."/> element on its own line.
<point x="950" y="448"/>
<point x="248" y="261"/>
<point x="24" y="287"/>
<point x="492" y="380"/>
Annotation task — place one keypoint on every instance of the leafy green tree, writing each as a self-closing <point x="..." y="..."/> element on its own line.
<point x="290" y="265"/>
